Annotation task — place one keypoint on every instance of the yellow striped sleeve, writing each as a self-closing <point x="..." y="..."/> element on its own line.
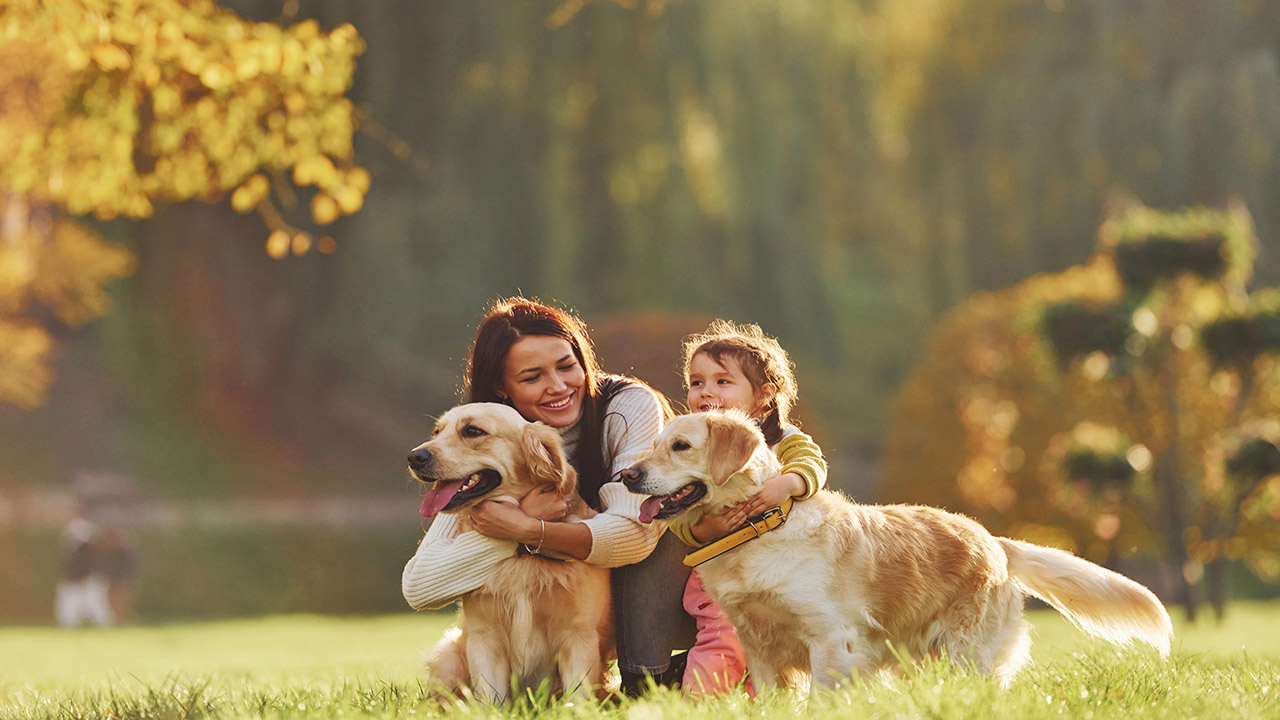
<point x="682" y="526"/>
<point x="799" y="454"/>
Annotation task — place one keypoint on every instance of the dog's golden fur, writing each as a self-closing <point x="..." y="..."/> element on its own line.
<point x="841" y="587"/>
<point x="534" y="618"/>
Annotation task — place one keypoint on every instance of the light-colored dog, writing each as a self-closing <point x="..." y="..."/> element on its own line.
<point x="535" y="618"/>
<point x="840" y="588"/>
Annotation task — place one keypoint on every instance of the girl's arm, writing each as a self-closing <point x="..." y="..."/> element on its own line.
<point x="709" y="527"/>
<point x="799" y="454"/>
<point x="449" y="564"/>
<point x="804" y="472"/>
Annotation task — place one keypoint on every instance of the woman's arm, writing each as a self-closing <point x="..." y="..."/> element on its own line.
<point x="449" y="564"/>
<point x="624" y="538"/>
<point x="503" y="520"/>
<point x="616" y="536"/>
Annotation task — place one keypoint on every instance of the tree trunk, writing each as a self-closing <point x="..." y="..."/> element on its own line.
<point x="1216" y="581"/>
<point x="1165" y="474"/>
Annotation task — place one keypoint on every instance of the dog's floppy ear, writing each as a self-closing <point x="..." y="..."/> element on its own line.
<point x="544" y="455"/>
<point x="729" y="444"/>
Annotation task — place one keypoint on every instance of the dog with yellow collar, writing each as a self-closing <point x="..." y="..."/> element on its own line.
<point x="831" y="587"/>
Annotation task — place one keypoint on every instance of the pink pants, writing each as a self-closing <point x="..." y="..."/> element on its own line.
<point x="716" y="663"/>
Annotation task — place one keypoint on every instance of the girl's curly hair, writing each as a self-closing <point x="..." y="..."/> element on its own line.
<point x="762" y="360"/>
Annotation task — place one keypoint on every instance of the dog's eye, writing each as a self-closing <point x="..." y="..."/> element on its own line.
<point x="471" y="431"/>
<point x="680" y="445"/>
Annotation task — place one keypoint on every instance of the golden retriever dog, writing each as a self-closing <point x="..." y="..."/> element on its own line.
<point x="536" y="618"/>
<point x="841" y="588"/>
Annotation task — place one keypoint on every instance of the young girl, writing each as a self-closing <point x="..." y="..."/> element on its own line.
<point x="739" y="367"/>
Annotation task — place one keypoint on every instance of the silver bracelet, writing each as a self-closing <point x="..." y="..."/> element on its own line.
<point x="541" y="537"/>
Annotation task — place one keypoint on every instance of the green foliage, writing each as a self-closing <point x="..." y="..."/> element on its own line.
<point x="1022" y="122"/>
<point x="1255" y="459"/>
<point x="1128" y="370"/>
<point x="1105" y="470"/>
<point x="1153" y="248"/>
<point x="1235" y="342"/>
<point x="1144" y="264"/>
<point x="1075" y="330"/>
<point x="982" y="409"/>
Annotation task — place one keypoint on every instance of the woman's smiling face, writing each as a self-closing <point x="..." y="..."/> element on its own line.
<point x="543" y="379"/>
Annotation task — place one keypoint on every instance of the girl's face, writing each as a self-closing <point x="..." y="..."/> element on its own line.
<point x="544" y="380"/>
<point x="716" y="386"/>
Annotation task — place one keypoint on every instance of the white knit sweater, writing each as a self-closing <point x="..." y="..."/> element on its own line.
<point x="449" y="564"/>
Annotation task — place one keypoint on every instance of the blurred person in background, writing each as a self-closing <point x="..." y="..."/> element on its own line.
<point x="119" y="568"/>
<point x="82" y="593"/>
<point x="539" y="360"/>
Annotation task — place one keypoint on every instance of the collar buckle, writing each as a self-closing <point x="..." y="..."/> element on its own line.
<point x="764" y="519"/>
<point x="770" y="519"/>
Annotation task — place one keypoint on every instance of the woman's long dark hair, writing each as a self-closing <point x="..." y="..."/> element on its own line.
<point x="510" y="319"/>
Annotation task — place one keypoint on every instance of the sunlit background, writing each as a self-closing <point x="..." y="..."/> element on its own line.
<point x="1022" y="253"/>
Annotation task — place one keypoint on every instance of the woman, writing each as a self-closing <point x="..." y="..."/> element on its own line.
<point x="539" y="360"/>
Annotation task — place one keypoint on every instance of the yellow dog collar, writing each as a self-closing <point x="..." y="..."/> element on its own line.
<point x="754" y="528"/>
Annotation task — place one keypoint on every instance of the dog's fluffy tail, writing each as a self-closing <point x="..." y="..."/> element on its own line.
<point x="1100" y="602"/>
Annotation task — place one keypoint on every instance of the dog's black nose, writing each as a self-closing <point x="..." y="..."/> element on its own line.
<point x="630" y="476"/>
<point x="419" y="458"/>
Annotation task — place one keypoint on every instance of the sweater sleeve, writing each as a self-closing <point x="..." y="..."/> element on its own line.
<point x="633" y="421"/>
<point x="799" y="454"/>
<point x="449" y="564"/>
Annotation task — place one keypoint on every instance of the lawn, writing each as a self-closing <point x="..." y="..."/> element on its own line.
<point x="313" y="667"/>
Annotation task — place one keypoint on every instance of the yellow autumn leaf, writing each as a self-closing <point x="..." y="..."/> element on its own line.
<point x="278" y="244"/>
<point x="324" y="209"/>
<point x="111" y="57"/>
<point x="25" y="350"/>
<point x="359" y="179"/>
<point x="77" y="58"/>
<point x="243" y="200"/>
<point x="349" y="199"/>
<point x="301" y="243"/>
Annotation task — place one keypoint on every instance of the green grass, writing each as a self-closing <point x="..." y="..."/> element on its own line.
<point x="326" y="667"/>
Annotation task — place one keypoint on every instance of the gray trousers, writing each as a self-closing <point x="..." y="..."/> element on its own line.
<point x="648" y="608"/>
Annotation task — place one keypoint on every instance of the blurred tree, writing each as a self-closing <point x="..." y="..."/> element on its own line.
<point x="982" y="406"/>
<point x="1011" y="121"/>
<point x="1123" y="407"/>
<point x="112" y="106"/>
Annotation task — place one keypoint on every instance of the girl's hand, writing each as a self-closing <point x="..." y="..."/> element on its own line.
<point x="712" y="527"/>
<point x="774" y="491"/>
<point x="505" y="521"/>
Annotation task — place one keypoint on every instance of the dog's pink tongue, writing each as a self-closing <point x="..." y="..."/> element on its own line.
<point x="649" y="509"/>
<point x="439" y="496"/>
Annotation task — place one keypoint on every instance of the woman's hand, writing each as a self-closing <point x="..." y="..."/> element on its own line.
<point x="774" y="491"/>
<point x="505" y="521"/>
<point x="545" y="503"/>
